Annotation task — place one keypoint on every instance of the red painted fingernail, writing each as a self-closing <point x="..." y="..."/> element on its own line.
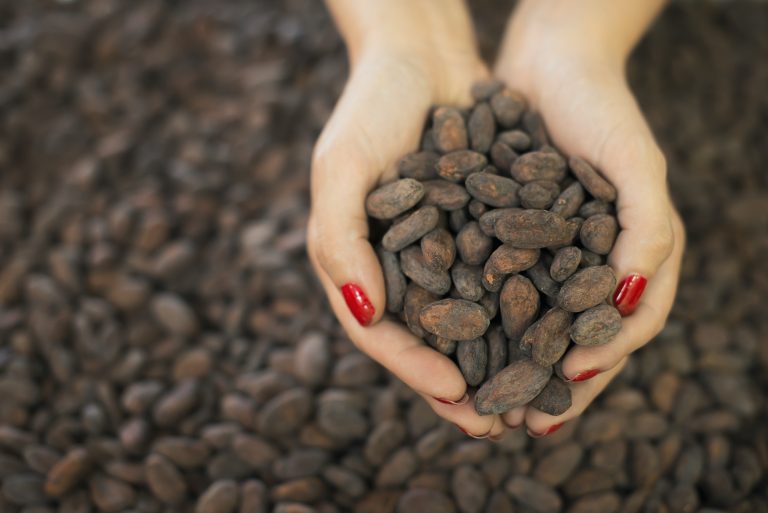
<point x="549" y="431"/>
<point x="470" y="434"/>
<point x="358" y="303"/>
<point x="583" y="376"/>
<point x="461" y="401"/>
<point x="628" y="293"/>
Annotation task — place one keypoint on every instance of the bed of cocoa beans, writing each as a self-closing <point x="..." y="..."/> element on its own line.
<point x="164" y="345"/>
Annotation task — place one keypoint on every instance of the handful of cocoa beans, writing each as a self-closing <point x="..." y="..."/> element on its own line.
<point x="493" y="250"/>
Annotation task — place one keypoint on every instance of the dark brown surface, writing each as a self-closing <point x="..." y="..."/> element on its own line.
<point x="148" y="150"/>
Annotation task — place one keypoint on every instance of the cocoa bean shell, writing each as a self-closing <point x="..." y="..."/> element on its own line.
<point x="555" y="399"/>
<point x="538" y="165"/>
<point x="498" y="351"/>
<point x="474" y="247"/>
<point x="482" y="128"/>
<point x="439" y="249"/>
<point x="458" y="165"/>
<point x="565" y="263"/>
<point x="548" y="337"/>
<point x="415" y="267"/>
<point x="515" y="139"/>
<point x="416" y="298"/>
<point x="539" y="194"/>
<point x="502" y="156"/>
<point x="419" y="166"/>
<point x="472" y="356"/>
<point x="506" y="259"/>
<point x="449" y="131"/>
<point x="519" y="304"/>
<point x="531" y="228"/>
<point x="597" y="186"/>
<point x="508" y="106"/>
<point x="482" y="90"/>
<point x="445" y="195"/>
<point x="468" y="281"/>
<point x="598" y="233"/>
<point x="569" y="201"/>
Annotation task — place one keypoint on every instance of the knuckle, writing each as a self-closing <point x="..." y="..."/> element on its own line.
<point x="661" y="241"/>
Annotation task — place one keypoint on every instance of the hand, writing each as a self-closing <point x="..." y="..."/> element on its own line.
<point x="380" y="118"/>
<point x="590" y="112"/>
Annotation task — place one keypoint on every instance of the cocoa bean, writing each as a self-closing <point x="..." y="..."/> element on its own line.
<point x="455" y="319"/>
<point x="411" y="229"/>
<point x="592" y="181"/>
<point x="548" y="337"/>
<point x="515" y="139"/>
<point x="493" y="190"/>
<point x="596" y="326"/>
<point x="595" y="207"/>
<point x="220" y="497"/>
<point x="587" y="288"/>
<point x="482" y="128"/>
<point x="502" y="156"/>
<point x="534" y="125"/>
<point x="555" y="399"/>
<point x="468" y="281"/>
<point x="541" y="279"/>
<point x="569" y="201"/>
<point x="458" y="165"/>
<point x="531" y="228"/>
<point x="508" y="106"/>
<point x="441" y="344"/>
<point x="67" y="472"/>
<point x="598" y="233"/>
<point x="449" y="132"/>
<point x="519" y="304"/>
<point x="164" y="479"/>
<point x="534" y="495"/>
<point x="538" y="165"/>
<point x="415" y="267"/>
<point x="392" y="199"/>
<point x="483" y="89"/>
<point x="513" y="386"/>
<point x="565" y="263"/>
<point x="555" y="467"/>
<point x="416" y="298"/>
<point x="472" y="356"/>
<point x="445" y="195"/>
<point x="488" y="220"/>
<point x="473" y="245"/>
<point x="498" y="353"/>
<point x="439" y="250"/>
<point x="419" y="165"/>
<point x="506" y="259"/>
<point x="539" y="194"/>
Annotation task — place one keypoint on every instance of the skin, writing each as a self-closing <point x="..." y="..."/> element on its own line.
<point x="568" y="58"/>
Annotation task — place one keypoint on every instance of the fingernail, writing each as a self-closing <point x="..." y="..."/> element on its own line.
<point x="628" y="293"/>
<point x="583" y="376"/>
<point x="476" y="437"/>
<point x="549" y="431"/>
<point x="358" y="303"/>
<point x="461" y="401"/>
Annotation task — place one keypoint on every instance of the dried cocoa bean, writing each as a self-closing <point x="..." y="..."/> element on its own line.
<point x="515" y="385"/>
<point x="458" y="165"/>
<point x="565" y="263"/>
<point x="439" y="249"/>
<point x="506" y="259"/>
<point x="419" y="165"/>
<point x="416" y="298"/>
<point x="598" y="233"/>
<point x="555" y="399"/>
<point x="508" y="106"/>
<point x="515" y="139"/>
<point x="392" y="199"/>
<point x="493" y="190"/>
<point x="474" y="247"/>
<point x="415" y="267"/>
<point x="468" y="281"/>
<point x="445" y="195"/>
<point x="394" y="279"/>
<point x="519" y="304"/>
<point x="569" y="201"/>
<point x="531" y="228"/>
<point x="596" y="326"/>
<point x="548" y="337"/>
<point x="449" y="132"/>
<point x="539" y="194"/>
<point x="502" y="156"/>
<point x="592" y="181"/>
<point x="455" y="319"/>
<point x="587" y="288"/>
<point x="498" y="353"/>
<point x="411" y="229"/>
<point x="482" y="128"/>
<point x="538" y="165"/>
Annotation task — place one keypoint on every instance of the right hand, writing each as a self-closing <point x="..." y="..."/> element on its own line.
<point x="380" y="118"/>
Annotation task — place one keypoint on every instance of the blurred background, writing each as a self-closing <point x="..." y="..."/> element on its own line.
<point x="164" y="345"/>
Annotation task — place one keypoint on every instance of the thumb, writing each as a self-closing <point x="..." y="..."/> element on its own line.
<point x="377" y="120"/>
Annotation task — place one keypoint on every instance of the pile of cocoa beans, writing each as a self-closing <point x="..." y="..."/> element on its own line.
<point x="494" y="250"/>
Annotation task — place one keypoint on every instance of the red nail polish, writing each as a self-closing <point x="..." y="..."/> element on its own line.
<point x="583" y="376"/>
<point x="358" y="303"/>
<point x="461" y="401"/>
<point x="549" y="431"/>
<point x="628" y="293"/>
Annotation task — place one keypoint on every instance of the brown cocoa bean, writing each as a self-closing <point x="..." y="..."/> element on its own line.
<point x="445" y="195"/>
<point x="538" y="165"/>
<point x="449" y="131"/>
<point x="490" y="302"/>
<point x="505" y="260"/>
<point x="539" y="194"/>
<point x="594" y="207"/>
<point x="441" y="344"/>
<point x="470" y="489"/>
<point x="508" y="106"/>
<point x="472" y="356"/>
<point x="457" y="219"/>
<point x="493" y="190"/>
<point x="422" y="500"/>
<point x="534" y="495"/>
<point x="482" y="128"/>
<point x="439" y="249"/>
<point x="534" y="125"/>
<point x="476" y="208"/>
<point x="164" y="479"/>
<point x="417" y="269"/>
<point x="458" y="165"/>
<point x="419" y="165"/>
<point x="497" y="351"/>
<point x="515" y="385"/>
<point x="411" y="229"/>
<point x="590" y="259"/>
<point x="531" y="228"/>
<point x="416" y="298"/>
<point x="539" y="275"/>
<point x="394" y="280"/>
<point x="548" y="337"/>
<point x="455" y="319"/>
<point x="468" y="281"/>
<point x="482" y="90"/>
<point x="555" y="399"/>
<point x="502" y="156"/>
<point x="604" y="502"/>
<point x="596" y="326"/>
<point x="285" y="413"/>
<point x="220" y="497"/>
<point x="515" y="139"/>
<point x="592" y="181"/>
<point x="392" y="199"/>
<point x="587" y="288"/>
<point x="67" y="472"/>
<point x="569" y="201"/>
<point x="555" y="467"/>
<point x="565" y="263"/>
<point x="474" y="247"/>
<point x="519" y="304"/>
<point x="488" y="220"/>
<point x="598" y="233"/>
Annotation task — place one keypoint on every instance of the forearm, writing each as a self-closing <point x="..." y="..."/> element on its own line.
<point x="420" y="27"/>
<point x="599" y="29"/>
